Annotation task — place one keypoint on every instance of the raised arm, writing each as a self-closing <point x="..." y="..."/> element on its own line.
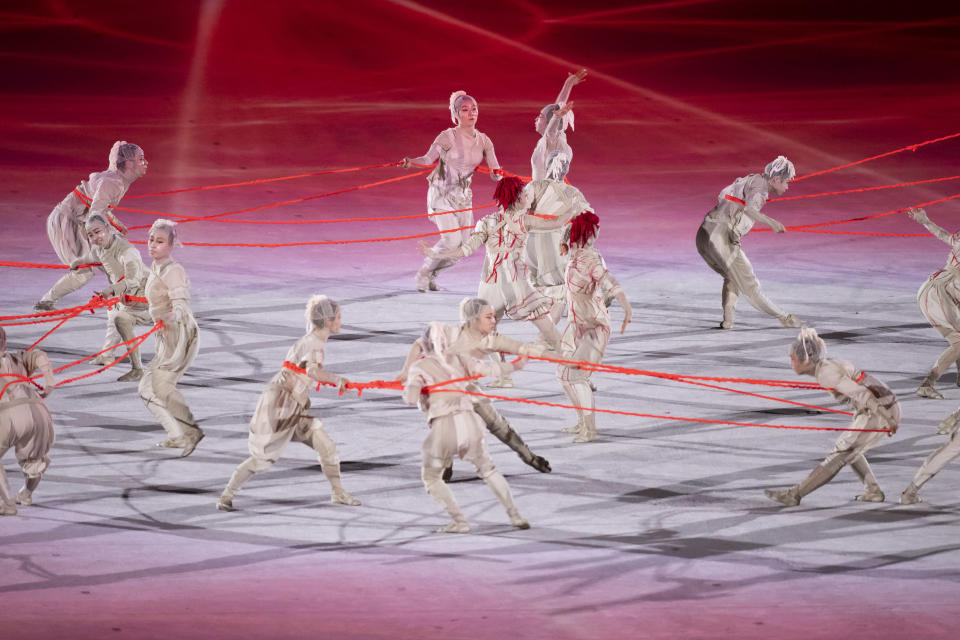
<point x="921" y="216"/>
<point x="573" y="79"/>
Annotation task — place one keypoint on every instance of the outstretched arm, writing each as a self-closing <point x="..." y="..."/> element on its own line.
<point x="432" y="154"/>
<point x="573" y="79"/>
<point x="921" y="216"/>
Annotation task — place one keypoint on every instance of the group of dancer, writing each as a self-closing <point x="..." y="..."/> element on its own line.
<point x="540" y="260"/>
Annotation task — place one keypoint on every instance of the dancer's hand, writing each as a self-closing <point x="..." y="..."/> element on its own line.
<point x="578" y="77"/>
<point x="405" y="163"/>
<point x="777" y="226"/>
<point x="342" y="385"/>
<point x="919" y="215"/>
<point x="47" y="390"/>
<point x="627" y="317"/>
<point x="521" y="362"/>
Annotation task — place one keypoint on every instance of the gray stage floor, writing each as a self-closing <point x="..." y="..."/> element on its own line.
<point x="659" y="529"/>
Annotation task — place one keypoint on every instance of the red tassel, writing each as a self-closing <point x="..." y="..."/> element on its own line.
<point x="584" y="227"/>
<point x="507" y="191"/>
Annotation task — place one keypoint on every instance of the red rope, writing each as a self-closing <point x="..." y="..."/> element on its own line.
<point x="861" y="190"/>
<point x="314" y="242"/>
<point x="265" y="180"/>
<point x="913" y="147"/>
<point x="53" y="316"/>
<point x="329" y="221"/>
<point x="137" y="339"/>
<point x="653" y="415"/>
<point x="272" y="204"/>
<point x="39" y="265"/>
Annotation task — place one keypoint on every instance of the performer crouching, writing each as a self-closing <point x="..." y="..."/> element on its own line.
<point x="875" y="407"/>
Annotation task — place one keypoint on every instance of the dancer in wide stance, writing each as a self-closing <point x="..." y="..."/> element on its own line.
<point x="93" y="196"/>
<point x="551" y="123"/>
<point x="168" y="298"/>
<point x="718" y="239"/>
<point x="471" y="342"/>
<point x="455" y="428"/>
<point x="939" y="300"/>
<point x="588" y="327"/>
<point x="25" y="422"/>
<point x="936" y="460"/>
<point x="282" y="412"/>
<point x="458" y="151"/>
<point x="127" y="274"/>
<point x="876" y="413"/>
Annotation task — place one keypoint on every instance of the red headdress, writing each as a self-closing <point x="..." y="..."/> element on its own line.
<point x="507" y="191"/>
<point x="583" y="227"/>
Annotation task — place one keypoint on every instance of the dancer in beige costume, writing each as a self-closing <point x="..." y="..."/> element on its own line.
<point x="93" y="196"/>
<point x="25" y="422"/>
<point x="127" y="274"/>
<point x="875" y="407"/>
<point x="551" y="123"/>
<point x="937" y="460"/>
<point x="282" y="412"/>
<point x="939" y="301"/>
<point x="458" y="151"/>
<point x="718" y="239"/>
<point x="587" y="334"/>
<point x="455" y="428"/>
<point x="168" y="297"/>
<point x="471" y="342"/>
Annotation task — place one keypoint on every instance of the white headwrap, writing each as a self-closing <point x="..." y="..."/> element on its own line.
<point x="114" y="153"/>
<point x="808" y="346"/>
<point x="456" y="98"/>
<point x="780" y="168"/>
<point x="169" y="227"/>
<point x="319" y="309"/>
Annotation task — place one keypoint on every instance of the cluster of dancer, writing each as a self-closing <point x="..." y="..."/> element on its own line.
<point x="540" y="261"/>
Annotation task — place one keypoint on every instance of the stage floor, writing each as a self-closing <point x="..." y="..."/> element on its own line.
<point x="660" y="528"/>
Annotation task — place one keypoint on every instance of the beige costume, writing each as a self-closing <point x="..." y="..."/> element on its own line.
<point x="455" y="430"/>
<point x="168" y="294"/>
<point x="282" y="415"/>
<point x="449" y="190"/>
<point x="127" y="274"/>
<point x="25" y="424"/>
<point x="587" y="333"/>
<point x="718" y="242"/>
<point x="65" y="225"/>
<point x="875" y="407"/>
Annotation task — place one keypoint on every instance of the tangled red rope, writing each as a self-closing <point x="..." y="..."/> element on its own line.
<point x="57" y="314"/>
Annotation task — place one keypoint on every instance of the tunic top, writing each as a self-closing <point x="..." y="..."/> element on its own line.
<point x="859" y="389"/>
<point x="458" y="159"/>
<point x="124" y="267"/>
<point x="306" y="353"/>
<point x="752" y="191"/>
<point x="587" y="281"/>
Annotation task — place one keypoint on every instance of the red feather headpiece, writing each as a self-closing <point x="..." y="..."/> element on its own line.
<point x="584" y="227"/>
<point x="507" y="191"/>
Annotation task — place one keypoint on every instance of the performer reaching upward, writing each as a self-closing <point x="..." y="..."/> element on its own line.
<point x="551" y="123"/>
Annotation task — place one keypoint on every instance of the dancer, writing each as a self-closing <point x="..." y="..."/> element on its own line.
<point x="545" y="265"/>
<point x="472" y="341"/>
<point x="93" y="196"/>
<point x="875" y="407"/>
<point x="127" y="274"/>
<point x="458" y="151"/>
<point x="25" y="422"/>
<point x="281" y="414"/>
<point x="936" y="460"/>
<point x="551" y="124"/>
<point x="718" y="239"/>
<point x="168" y="295"/>
<point x="939" y="300"/>
<point x="455" y="428"/>
<point x="503" y="281"/>
<point x="588" y="328"/>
